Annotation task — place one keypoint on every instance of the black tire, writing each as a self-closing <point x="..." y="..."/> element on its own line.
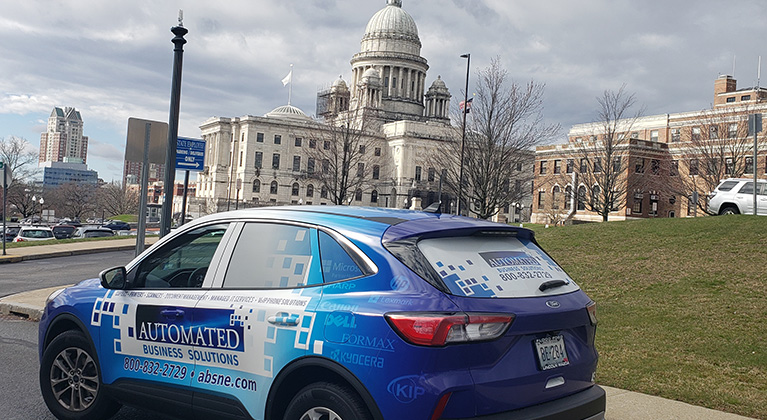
<point x="729" y="210"/>
<point x="326" y="401"/>
<point x="76" y="394"/>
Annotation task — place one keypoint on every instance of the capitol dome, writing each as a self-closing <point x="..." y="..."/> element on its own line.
<point x="392" y="22"/>
<point x="288" y="112"/>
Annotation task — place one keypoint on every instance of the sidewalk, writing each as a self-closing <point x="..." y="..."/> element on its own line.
<point x="621" y="404"/>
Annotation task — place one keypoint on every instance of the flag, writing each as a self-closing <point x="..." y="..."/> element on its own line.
<point x="466" y="104"/>
<point x="288" y="78"/>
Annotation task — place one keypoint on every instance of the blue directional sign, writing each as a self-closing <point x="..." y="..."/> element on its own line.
<point x="190" y="154"/>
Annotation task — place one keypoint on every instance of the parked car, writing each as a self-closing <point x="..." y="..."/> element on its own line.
<point x="34" y="233"/>
<point x="736" y="196"/>
<point x="75" y="222"/>
<point x="11" y="232"/>
<point x="63" y="231"/>
<point x="92" y="232"/>
<point x="116" y="225"/>
<point x="327" y="312"/>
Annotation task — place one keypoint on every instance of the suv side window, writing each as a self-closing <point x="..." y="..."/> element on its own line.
<point x="181" y="262"/>
<point x="727" y="185"/>
<point x="762" y="188"/>
<point x="747" y="188"/>
<point x="270" y="256"/>
<point x="337" y="265"/>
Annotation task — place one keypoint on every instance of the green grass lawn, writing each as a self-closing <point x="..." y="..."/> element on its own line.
<point x="682" y="305"/>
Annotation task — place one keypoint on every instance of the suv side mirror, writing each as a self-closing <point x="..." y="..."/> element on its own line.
<point x="113" y="278"/>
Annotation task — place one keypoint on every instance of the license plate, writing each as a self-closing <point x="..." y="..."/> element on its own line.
<point x="551" y="352"/>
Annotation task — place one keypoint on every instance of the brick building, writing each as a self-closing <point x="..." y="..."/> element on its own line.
<point x="662" y="165"/>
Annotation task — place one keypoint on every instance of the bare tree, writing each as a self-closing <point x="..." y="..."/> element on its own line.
<point x="114" y="199"/>
<point x="504" y="124"/>
<point x="603" y="157"/>
<point x="73" y="200"/>
<point x="20" y="196"/>
<point x="343" y="156"/>
<point x="19" y="155"/>
<point x="718" y="147"/>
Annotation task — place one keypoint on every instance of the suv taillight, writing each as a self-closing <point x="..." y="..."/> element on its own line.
<point x="439" y="329"/>
<point x="592" y="310"/>
<point x="18" y="239"/>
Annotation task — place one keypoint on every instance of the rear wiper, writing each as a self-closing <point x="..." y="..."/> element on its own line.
<point x="551" y="284"/>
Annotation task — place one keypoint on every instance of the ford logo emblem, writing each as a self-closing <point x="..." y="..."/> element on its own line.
<point x="552" y="304"/>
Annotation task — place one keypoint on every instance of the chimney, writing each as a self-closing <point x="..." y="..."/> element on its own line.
<point x="722" y="85"/>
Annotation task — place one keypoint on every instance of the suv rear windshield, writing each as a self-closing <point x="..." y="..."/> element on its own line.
<point x="727" y="185"/>
<point x="494" y="266"/>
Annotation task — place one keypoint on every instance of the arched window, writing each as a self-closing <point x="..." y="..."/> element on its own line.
<point x="256" y="185"/>
<point x="273" y="188"/>
<point x="294" y="190"/>
<point x="374" y="196"/>
<point x="310" y="190"/>
<point x="568" y="196"/>
<point x="555" y="193"/>
<point x="595" y="201"/>
<point x="582" y="198"/>
<point x="358" y="195"/>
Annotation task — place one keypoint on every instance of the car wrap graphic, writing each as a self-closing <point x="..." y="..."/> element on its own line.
<point x="468" y="270"/>
<point x="231" y="339"/>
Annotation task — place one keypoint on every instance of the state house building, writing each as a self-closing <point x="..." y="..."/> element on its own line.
<point x="268" y="160"/>
<point x="669" y="163"/>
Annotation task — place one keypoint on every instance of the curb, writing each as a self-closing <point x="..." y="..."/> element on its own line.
<point x="4" y="259"/>
<point x="29" y="312"/>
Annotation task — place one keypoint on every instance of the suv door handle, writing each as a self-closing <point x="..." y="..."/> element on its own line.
<point x="284" y="318"/>
<point x="172" y="313"/>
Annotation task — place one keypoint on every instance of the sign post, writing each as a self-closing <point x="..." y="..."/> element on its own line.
<point x="190" y="156"/>
<point x="754" y="126"/>
<point x="144" y="144"/>
<point x="6" y="181"/>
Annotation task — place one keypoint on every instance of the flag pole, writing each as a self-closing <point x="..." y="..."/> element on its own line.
<point x="290" y="90"/>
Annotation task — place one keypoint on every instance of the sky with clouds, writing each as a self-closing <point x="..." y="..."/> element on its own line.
<point x="113" y="60"/>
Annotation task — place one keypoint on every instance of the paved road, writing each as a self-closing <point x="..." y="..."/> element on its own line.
<point x="20" y="397"/>
<point x="43" y="273"/>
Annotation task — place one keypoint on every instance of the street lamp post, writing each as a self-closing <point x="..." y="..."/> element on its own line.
<point x="467" y="56"/>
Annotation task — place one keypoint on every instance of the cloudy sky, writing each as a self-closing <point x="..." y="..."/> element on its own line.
<point x="113" y="60"/>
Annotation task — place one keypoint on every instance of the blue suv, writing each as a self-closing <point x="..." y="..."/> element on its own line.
<point x="310" y="312"/>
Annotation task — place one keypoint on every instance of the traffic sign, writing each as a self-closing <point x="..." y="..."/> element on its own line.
<point x="190" y="154"/>
<point x="5" y="169"/>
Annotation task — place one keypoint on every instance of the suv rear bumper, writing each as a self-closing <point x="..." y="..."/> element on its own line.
<point x="585" y="405"/>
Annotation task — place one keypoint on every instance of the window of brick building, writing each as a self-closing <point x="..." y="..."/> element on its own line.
<point x="597" y="165"/>
<point x="570" y="165"/>
<point x="541" y="200"/>
<point x="732" y="131"/>
<point x="273" y="187"/>
<point x="276" y="161"/>
<point x="294" y="189"/>
<point x="654" y="135"/>
<point x="617" y="164"/>
<point x="693" y="166"/>
<point x="639" y="166"/>
<point x="376" y="171"/>
<point x="675" y="135"/>
<point x="260" y="137"/>
<point x="296" y="163"/>
<point x="568" y="196"/>
<point x="299" y="140"/>
<point x="655" y="166"/>
<point x="695" y="134"/>
<point x="543" y="167"/>
<point x="729" y="166"/>
<point x="432" y="173"/>
<point x="259" y="160"/>
<point x="584" y="165"/>
<point x="749" y="165"/>
<point x="674" y="170"/>
<point x="557" y="166"/>
<point x="713" y="132"/>
<point x="277" y="139"/>
<point x="418" y="173"/>
<point x="582" y="198"/>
